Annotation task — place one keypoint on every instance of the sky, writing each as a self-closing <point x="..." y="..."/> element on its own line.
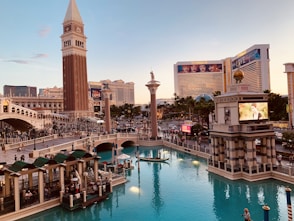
<point x="127" y="39"/>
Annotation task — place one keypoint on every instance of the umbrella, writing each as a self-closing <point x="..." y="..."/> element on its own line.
<point x="75" y="179"/>
<point x="123" y="157"/>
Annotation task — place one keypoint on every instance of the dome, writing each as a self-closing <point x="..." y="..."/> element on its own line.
<point x="206" y="97"/>
<point x="238" y="76"/>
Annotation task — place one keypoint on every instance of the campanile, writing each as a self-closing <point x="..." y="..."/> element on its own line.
<point x="75" y="83"/>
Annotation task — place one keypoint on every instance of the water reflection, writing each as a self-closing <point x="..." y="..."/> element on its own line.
<point x="180" y="190"/>
<point x="240" y="194"/>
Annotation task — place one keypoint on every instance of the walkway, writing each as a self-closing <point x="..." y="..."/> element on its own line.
<point x="8" y="156"/>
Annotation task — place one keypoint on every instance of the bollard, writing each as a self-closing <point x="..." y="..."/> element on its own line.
<point x="84" y="196"/>
<point x="110" y="183"/>
<point x="2" y="203"/>
<point x="100" y="189"/>
<point x="71" y="201"/>
<point x="288" y="191"/>
<point x="266" y="210"/>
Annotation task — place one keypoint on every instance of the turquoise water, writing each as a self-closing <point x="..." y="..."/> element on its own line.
<point x="181" y="189"/>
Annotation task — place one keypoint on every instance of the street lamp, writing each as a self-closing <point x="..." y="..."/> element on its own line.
<point x="34" y="143"/>
<point x="72" y="147"/>
<point x="88" y="145"/>
<point x="6" y="132"/>
<point x="34" y="134"/>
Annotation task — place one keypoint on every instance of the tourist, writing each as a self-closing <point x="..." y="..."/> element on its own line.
<point x="280" y="159"/>
<point x="246" y="215"/>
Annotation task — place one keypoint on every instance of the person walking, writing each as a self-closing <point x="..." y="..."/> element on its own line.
<point x="280" y="159"/>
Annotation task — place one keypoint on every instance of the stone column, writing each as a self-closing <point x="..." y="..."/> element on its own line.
<point x="273" y="149"/>
<point x="16" y="191"/>
<point x="30" y="175"/>
<point x="61" y="176"/>
<point x="107" y="92"/>
<point x="50" y="174"/>
<point x="96" y="159"/>
<point x="234" y="153"/>
<point x="41" y="184"/>
<point x="80" y="171"/>
<point x="152" y="86"/>
<point x="7" y="183"/>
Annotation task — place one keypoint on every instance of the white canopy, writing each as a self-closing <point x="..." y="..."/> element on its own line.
<point x="123" y="156"/>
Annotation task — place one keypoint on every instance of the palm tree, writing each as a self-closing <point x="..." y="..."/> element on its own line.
<point x="203" y="108"/>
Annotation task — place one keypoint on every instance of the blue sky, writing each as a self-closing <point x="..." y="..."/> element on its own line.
<point x="126" y="39"/>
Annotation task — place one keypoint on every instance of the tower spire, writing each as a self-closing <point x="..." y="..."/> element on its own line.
<point x="72" y="13"/>
<point x="74" y="59"/>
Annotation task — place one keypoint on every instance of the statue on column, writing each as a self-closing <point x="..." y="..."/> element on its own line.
<point x="152" y="76"/>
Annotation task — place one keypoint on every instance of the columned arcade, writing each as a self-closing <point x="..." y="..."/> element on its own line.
<point x="242" y="145"/>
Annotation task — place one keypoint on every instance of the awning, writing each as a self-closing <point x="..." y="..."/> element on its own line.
<point x="40" y="161"/>
<point x="78" y="154"/>
<point x="60" y="158"/>
<point x="19" y="165"/>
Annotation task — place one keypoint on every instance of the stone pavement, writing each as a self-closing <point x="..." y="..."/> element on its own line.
<point x="8" y="156"/>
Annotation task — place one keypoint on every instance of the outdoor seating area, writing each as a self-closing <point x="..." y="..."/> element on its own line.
<point x="30" y="184"/>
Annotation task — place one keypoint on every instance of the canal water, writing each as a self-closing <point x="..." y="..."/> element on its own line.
<point x="180" y="189"/>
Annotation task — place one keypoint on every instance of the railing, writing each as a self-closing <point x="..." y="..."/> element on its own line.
<point x="28" y="142"/>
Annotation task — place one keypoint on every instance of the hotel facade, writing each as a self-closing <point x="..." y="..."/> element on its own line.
<point x="193" y="78"/>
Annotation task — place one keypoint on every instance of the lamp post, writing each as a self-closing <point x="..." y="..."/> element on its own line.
<point x="88" y="145"/>
<point x="6" y="132"/>
<point x="34" y="134"/>
<point x="72" y="147"/>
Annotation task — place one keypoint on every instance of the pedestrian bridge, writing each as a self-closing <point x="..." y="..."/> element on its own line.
<point x="92" y="144"/>
<point x="23" y="119"/>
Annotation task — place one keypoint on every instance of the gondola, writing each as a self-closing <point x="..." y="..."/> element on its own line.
<point x="153" y="159"/>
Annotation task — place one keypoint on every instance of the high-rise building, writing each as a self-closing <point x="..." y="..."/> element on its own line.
<point x="193" y="78"/>
<point x="55" y="92"/>
<point x="75" y="83"/>
<point x="254" y="62"/>
<point x="121" y="92"/>
<point x="19" y="91"/>
<point x="198" y="77"/>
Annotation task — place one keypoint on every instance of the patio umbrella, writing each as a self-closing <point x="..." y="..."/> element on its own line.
<point x="123" y="157"/>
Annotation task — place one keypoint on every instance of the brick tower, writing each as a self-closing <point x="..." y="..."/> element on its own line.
<point x="75" y="83"/>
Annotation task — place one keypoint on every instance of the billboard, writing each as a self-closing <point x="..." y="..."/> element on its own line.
<point x="96" y="93"/>
<point x="186" y="128"/>
<point x="200" y="68"/>
<point x="248" y="57"/>
<point x="253" y="111"/>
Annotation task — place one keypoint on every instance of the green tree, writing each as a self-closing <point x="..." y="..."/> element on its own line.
<point x="203" y="109"/>
<point x="288" y="138"/>
<point x="277" y="106"/>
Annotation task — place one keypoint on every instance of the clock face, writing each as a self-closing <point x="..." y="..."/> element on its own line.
<point x="78" y="29"/>
<point x="67" y="28"/>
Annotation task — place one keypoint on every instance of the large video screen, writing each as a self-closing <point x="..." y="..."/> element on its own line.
<point x="200" y="68"/>
<point x="253" y="111"/>
<point x="186" y="128"/>
<point x="96" y="93"/>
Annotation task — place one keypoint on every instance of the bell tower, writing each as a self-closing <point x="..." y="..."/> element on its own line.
<point x="75" y="82"/>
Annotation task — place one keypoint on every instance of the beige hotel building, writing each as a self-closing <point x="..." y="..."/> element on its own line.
<point x="193" y="78"/>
